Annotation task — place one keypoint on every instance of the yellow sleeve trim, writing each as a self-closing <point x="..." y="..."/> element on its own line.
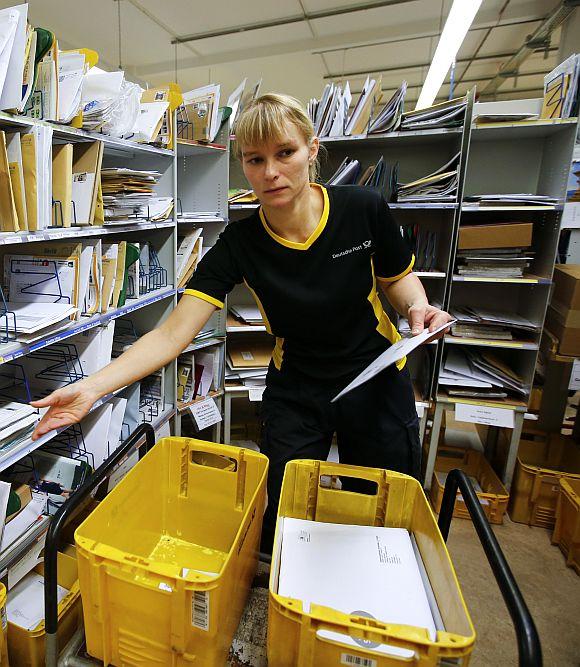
<point x="393" y="279"/>
<point x="204" y="297"/>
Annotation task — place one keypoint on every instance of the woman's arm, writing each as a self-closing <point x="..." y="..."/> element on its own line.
<point x="408" y="298"/>
<point x="152" y="351"/>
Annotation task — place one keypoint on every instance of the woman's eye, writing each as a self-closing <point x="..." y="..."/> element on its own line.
<point x="286" y="153"/>
<point x="254" y="160"/>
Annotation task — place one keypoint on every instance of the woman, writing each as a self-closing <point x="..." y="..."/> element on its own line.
<point x="312" y="257"/>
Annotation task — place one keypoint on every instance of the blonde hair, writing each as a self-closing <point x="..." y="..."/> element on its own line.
<point x="263" y="119"/>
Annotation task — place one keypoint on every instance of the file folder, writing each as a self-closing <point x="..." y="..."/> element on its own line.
<point x="8" y="214"/>
<point x="87" y="161"/>
<point x="62" y="162"/>
<point x="17" y="178"/>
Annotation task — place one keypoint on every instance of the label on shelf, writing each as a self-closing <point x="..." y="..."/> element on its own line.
<point x="205" y="413"/>
<point x="482" y="414"/>
<point x="575" y="376"/>
<point x="420" y="410"/>
<point x="255" y="393"/>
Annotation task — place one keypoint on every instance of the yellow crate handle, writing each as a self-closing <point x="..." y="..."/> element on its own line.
<point x="367" y="630"/>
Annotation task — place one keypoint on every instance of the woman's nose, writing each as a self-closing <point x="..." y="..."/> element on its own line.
<point x="271" y="170"/>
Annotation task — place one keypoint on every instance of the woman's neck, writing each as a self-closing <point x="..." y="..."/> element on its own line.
<point x="299" y="219"/>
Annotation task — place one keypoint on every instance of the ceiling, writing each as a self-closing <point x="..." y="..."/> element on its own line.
<point x="296" y="46"/>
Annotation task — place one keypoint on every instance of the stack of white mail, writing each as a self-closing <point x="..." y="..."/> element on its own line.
<point x="16" y="420"/>
<point x="479" y="374"/>
<point x="128" y="194"/>
<point x="476" y="322"/>
<point x="249" y="314"/>
<point x="366" y="571"/>
<point x="110" y="103"/>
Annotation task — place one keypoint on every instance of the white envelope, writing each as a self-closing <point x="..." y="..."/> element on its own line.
<point x="11" y="91"/>
<point x="395" y="353"/>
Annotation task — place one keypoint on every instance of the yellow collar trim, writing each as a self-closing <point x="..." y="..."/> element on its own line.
<point x="315" y="234"/>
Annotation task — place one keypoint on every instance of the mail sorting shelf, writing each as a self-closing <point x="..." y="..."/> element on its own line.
<point x="509" y="158"/>
<point x="529" y="647"/>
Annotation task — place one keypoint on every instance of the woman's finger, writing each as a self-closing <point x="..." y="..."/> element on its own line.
<point x="51" y="399"/>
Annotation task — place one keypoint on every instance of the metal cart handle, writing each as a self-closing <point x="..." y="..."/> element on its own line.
<point x="529" y="647"/>
<point x="64" y="514"/>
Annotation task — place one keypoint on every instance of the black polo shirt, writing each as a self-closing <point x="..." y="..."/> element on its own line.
<point x="318" y="298"/>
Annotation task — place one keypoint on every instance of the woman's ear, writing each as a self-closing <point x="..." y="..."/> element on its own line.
<point x="313" y="149"/>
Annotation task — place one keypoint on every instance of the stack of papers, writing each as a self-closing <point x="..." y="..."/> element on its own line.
<point x="441" y="185"/>
<point x="476" y="322"/>
<point x="25" y="606"/>
<point x="561" y="89"/>
<point x="16" y="421"/>
<point x="389" y="118"/>
<point x="445" y="114"/>
<point x="129" y="193"/>
<point x="494" y="262"/>
<point x="190" y="251"/>
<point x="511" y="200"/>
<point x="330" y="115"/>
<point x="29" y="318"/>
<point x="248" y="314"/>
<point x="476" y="374"/>
<point x="249" y="354"/>
<point x="367" y="571"/>
<point x="110" y="103"/>
<point x="358" y="122"/>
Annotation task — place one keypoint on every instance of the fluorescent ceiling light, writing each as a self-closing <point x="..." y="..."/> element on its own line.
<point x="460" y="18"/>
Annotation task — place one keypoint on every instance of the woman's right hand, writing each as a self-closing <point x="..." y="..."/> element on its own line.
<point x="66" y="406"/>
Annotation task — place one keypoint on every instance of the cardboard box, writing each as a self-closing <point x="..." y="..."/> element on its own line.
<point x="567" y="285"/>
<point x="500" y="235"/>
<point x="567" y="318"/>
<point x="568" y="337"/>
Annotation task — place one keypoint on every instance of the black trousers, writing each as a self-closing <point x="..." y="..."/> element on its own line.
<point x="376" y="425"/>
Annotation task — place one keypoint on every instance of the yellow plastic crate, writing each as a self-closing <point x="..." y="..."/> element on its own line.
<point x="493" y="497"/>
<point x="27" y="648"/>
<point x="167" y="558"/>
<point x="567" y="529"/>
<point x="399" y="503"/>
<point x="3" y="627"/>
<point x="540" y="466"/>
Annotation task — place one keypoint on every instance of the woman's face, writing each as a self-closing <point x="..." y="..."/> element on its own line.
<point x="278" y="170"/>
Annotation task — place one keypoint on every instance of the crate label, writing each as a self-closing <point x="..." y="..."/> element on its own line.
<point x="420" y="411"/>
<point x="255" y="393"/>
<point x="357" y="660"/>
<point x="482" y="414"/>
<point x="247" y="356"/>
<point x="205" y="413"/>
<point x="200" y="610"/>
<point x="165" y="587"/>
<point x="575" y="376"/>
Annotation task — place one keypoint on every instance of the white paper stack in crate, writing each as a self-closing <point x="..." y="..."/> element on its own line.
<point x="364" y="570"/>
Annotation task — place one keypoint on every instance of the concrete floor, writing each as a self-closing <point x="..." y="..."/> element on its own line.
<point x="551" y="590"/>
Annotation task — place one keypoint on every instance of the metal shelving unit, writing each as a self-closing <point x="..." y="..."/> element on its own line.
<point x="202" y="185"/>
<point x="148" y="309"/>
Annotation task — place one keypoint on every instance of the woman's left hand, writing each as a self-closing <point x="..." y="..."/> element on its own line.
<point x="428" y="316"/>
